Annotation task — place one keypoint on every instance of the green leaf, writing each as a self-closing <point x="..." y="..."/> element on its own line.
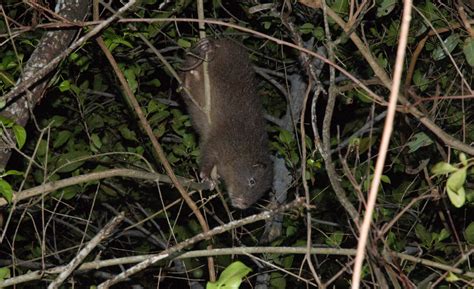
<point x="443" y="235"/>
<point x="382" y="60"/>
<point x="420" y="80"/>
<point x="469" y="233"/>
<point x="285" y="137"/>
<point x="180" y="150"/>
<point x="452" y="277"/>
<point x="62" y="138"/>
<point x="159" y="116"/>
<point x="463" y="159"/>
<point x="455" y="187"/>
<point x="291" y="231"/>
<point x="6" y="121"/>
<point x="157" y="107"/>
<point x="95" y="121"/>
<point x="431" y="11"/>
<point x="13" y="173"/>
<point x="123" y="42"/>
<point x="386" y="7"/>
<point x="198" y="273"/>
<point x="57" y="121"/>
<point x="385" y="179"/>
<point x="340" y="6"/>
<point x="6" y="78"/>
<point x="277" y="281"/>
<point x="184" y="43"/>
<point x="442" y="168"/>
<point x="6" y="190"/>
<point x="306" y="28"/>
<point x="4" y="273"/>
<point x="468" y="50"/>
<point x="335" y="239"/>
<point x="160" y="130"/>
<point x="188" y="141"/>
<point x="423" y="235"/>
<point x="470" y="195"/>
<point x="153" y="106"/>
<point x="419" y="140"/>
<point x="42" y="148"/>
<point x="363" y="96"/>
<point x="130" y="75"/>
<point x="20" y="135"/>
<point x="96" y="141"/>
<point x="319" y="33"/>
<point x="67" y="193"/>
<point x="231" y="277"/>
<point x="127" y="133"/>
<point x="71" y="161"/>
<point x="450" y="43"/>
<point x="154" y="82"/>
<point x="73" y="56"/>
<point x="394" y="242"/>
<point x="65" y="85"/>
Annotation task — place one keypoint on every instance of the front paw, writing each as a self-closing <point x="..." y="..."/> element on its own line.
<point x="210" y="177"/>
<point x="207" y="181"/>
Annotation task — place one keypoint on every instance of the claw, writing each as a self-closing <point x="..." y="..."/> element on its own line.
<point x="206" y="180"/>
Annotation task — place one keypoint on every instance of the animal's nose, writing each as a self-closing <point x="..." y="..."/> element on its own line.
<point x="240" y="203"/>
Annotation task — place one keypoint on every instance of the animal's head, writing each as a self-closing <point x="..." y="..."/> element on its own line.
<point x="246" y="182"/>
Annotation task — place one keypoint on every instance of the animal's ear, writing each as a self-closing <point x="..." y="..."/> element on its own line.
<point x="204" y="46"/>
<point x="204" y="50"/>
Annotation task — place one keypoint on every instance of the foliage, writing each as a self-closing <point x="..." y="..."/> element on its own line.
<point x="231" y="277"/>
<point x="84" y="124"/>
<point x="456" y="180"/>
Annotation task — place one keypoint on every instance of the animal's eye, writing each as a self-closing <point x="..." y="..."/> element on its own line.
<point x="251" y="182"/>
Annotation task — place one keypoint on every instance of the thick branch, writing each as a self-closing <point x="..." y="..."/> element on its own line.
<point x="56" y="185"/>
<point x="50" y="45"/>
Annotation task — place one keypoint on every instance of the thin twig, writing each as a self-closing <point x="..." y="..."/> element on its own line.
<point x="207" y="109"/>
<point x="98" y="264"/>
<point x="203" y="236"/>
<point x="380" y="72"/>
<point x="99" y="237"/>
<point x="388" y="127"/>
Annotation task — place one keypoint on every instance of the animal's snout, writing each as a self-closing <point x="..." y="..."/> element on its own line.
<point x="240" y="203"/>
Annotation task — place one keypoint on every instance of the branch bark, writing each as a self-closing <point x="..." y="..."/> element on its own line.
<point x="56" y="185"/>
<point x="49" y="47"/>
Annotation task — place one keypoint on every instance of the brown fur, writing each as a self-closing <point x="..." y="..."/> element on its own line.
<point x="235" y="140"/>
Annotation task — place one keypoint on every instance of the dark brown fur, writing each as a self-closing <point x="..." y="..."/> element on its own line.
<point x="235" y="140"/>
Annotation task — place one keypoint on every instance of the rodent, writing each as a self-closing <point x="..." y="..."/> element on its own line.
<point x="232" y="135"/>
